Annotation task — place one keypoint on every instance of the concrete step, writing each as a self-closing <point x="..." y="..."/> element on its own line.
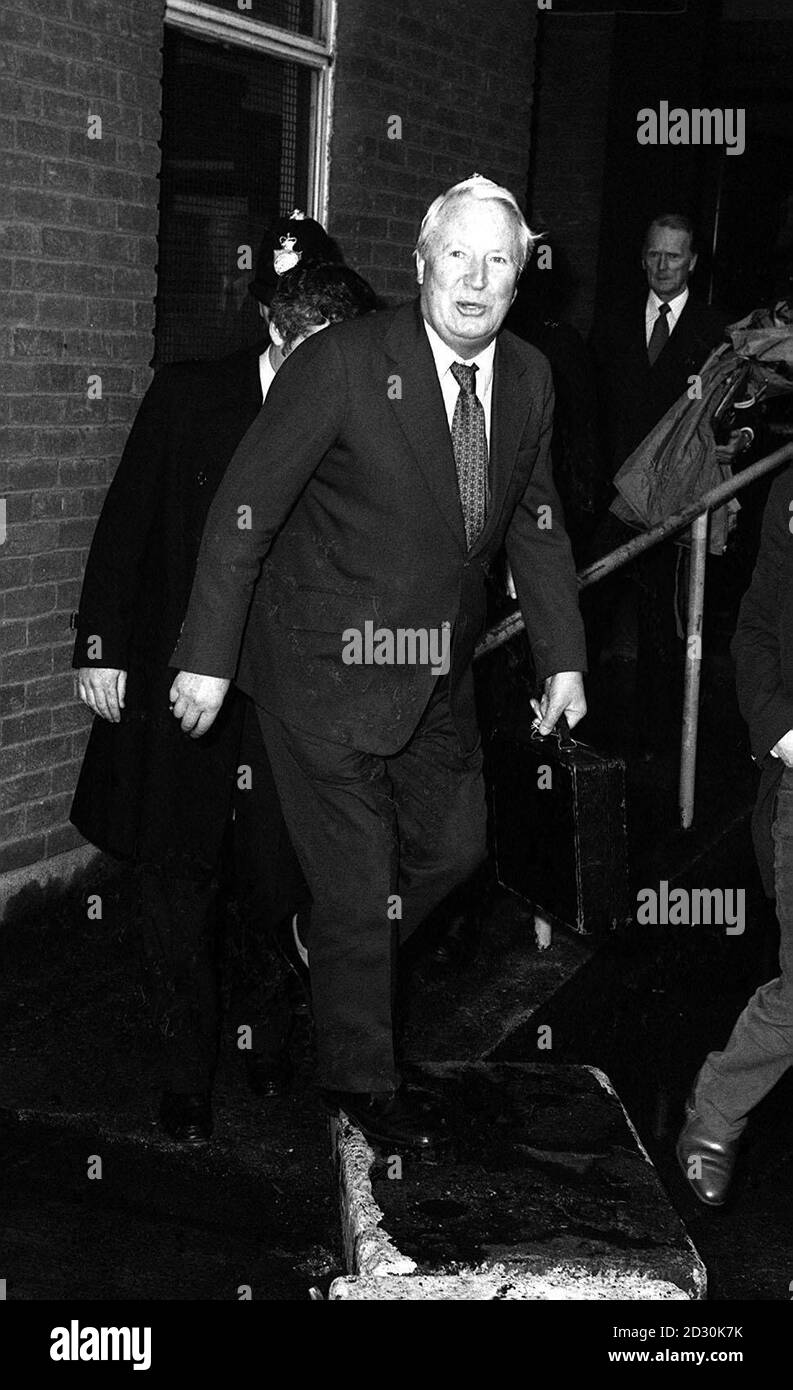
<point x="543" y="1191"/>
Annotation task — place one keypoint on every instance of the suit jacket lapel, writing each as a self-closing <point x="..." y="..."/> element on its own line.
<point x="511" y="404"/>
<point x="419" y="409"/>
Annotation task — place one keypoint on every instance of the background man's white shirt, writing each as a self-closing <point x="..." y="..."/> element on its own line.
<point x="676" y="307"/>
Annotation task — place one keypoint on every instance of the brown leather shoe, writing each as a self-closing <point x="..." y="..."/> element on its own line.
<point x="707" y="1163"/>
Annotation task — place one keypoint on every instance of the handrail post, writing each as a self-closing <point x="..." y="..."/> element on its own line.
<point x="697" y="565"/>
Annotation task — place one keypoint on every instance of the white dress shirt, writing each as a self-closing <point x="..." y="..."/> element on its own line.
<point x="266" y="373"/>
<point x="444" y="357"/>
<point x="676" y="307"/>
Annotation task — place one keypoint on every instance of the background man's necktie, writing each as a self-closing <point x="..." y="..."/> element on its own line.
<point x="660" y="334"/>
<point x="469" y="442"/>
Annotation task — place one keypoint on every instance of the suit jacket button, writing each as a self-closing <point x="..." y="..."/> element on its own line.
<point x="201" y="478"/>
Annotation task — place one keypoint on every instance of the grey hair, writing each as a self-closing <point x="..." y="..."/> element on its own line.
<point x="675" y="222"/>
<point x="483" y="189"/>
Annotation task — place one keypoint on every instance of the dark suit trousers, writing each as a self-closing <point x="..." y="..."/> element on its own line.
<point x="366" y="828"/>
<point x="180" y="928"/>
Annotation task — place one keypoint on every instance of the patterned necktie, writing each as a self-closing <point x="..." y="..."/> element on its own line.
<point x="660" y="334"/>
<point x="469" y="442"/>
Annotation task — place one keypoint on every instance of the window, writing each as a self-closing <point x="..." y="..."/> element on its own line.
<point x="245" y="119"/>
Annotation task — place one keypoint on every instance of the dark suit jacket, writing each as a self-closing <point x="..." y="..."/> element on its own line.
<point x="763" y="652"/>
<point x="349" y="476"/>
<point x="145" y="789"/>
<point x="633" y="396"/>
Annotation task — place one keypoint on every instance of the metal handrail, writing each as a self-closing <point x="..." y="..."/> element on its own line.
<point x="695" y="515"/>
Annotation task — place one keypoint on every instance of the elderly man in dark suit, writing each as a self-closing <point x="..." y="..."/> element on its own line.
<point x="760" y="1048"/>
<point x="147" y="793"/>
<point x="398" y="453"/>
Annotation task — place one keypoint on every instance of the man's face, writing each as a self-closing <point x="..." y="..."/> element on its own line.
<point x="668" y="261"/>
<point x="469" y="275"/>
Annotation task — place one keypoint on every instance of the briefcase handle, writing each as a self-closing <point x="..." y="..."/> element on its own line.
<point x="560" y="731"/>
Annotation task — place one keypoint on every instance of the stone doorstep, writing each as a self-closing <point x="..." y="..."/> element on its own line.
<point x="535" y="1271"/>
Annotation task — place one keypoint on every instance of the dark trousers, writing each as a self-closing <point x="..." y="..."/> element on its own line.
<point x="635" y="606"/>
<point x="381" y="841"/>
<point x="180" y="920"/>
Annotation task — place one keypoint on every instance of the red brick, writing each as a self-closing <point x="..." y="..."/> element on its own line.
<point x="45" y="410"/>
<point x="14" y="635"/>
<point x="58" y="564"/>
<point x="29" y="538"/>
<point x="12" y="824"/>
<point x="51" y="690"/>
<point x="43" y="814"/>
<point x="21" y="728"/>
<point x="45" y="752"/>
<point x="19" y="98"/>
<point x="12" y="699"/>
<point x="25" y="666"/>
<point x="30" y="602"/>
<point x="66" y="719"/>
<point x="33" y="473"/>
<point x="18" y="853"/>
<point x="14" y="573"/>
<point x="50" y="628"/>
<point x="39" y="138"/>
<point x="21" y="790"/>
<point x="77" y="532"/>
<point x="63" y="838"/>
<point x="68" y="310"/>
<point x="69" y="595"/>
<point x="18" y="27"/>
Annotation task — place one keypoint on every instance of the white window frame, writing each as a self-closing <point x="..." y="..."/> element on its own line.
<point x="241" y="31"/>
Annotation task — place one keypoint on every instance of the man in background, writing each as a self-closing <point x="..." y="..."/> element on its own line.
<point x="146" y="792"/>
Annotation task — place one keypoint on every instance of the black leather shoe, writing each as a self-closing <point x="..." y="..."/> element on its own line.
<point x="707" y="1163"/>
<point x="392" y="1118"/>
<point x="186" y="1118"/>
<point x="268" y="1074"/>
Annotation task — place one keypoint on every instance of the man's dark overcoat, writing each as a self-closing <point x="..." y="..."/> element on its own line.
<point x="146" y="790"/>
<point x="633" y="395"/>
<point x="763" y="652"/>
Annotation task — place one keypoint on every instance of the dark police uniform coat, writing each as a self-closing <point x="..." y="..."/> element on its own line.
<point x="146" y="790"/>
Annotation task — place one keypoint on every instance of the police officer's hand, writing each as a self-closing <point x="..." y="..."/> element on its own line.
<point x="102" y="689"/>
<point x="196" y="701"/>
<point x="784" y="749"/>
<point x="563" y="693"/>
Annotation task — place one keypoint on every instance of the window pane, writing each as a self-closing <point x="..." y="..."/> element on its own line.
<point x="298" y="16"/>
<point x="234" y="156"/>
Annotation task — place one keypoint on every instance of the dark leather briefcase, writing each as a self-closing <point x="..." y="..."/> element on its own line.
<point x="559" y="826"/>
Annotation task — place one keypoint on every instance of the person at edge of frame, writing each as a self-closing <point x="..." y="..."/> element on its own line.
<point x="759" y="1050"/>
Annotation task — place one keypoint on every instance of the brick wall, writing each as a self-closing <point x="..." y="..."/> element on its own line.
<point x="77" y="259"/>
<point x="459" y="78"/>
<point x="77" y="270"/>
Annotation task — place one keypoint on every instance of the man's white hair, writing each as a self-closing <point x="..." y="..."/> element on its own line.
<point x="484" y="190"/>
